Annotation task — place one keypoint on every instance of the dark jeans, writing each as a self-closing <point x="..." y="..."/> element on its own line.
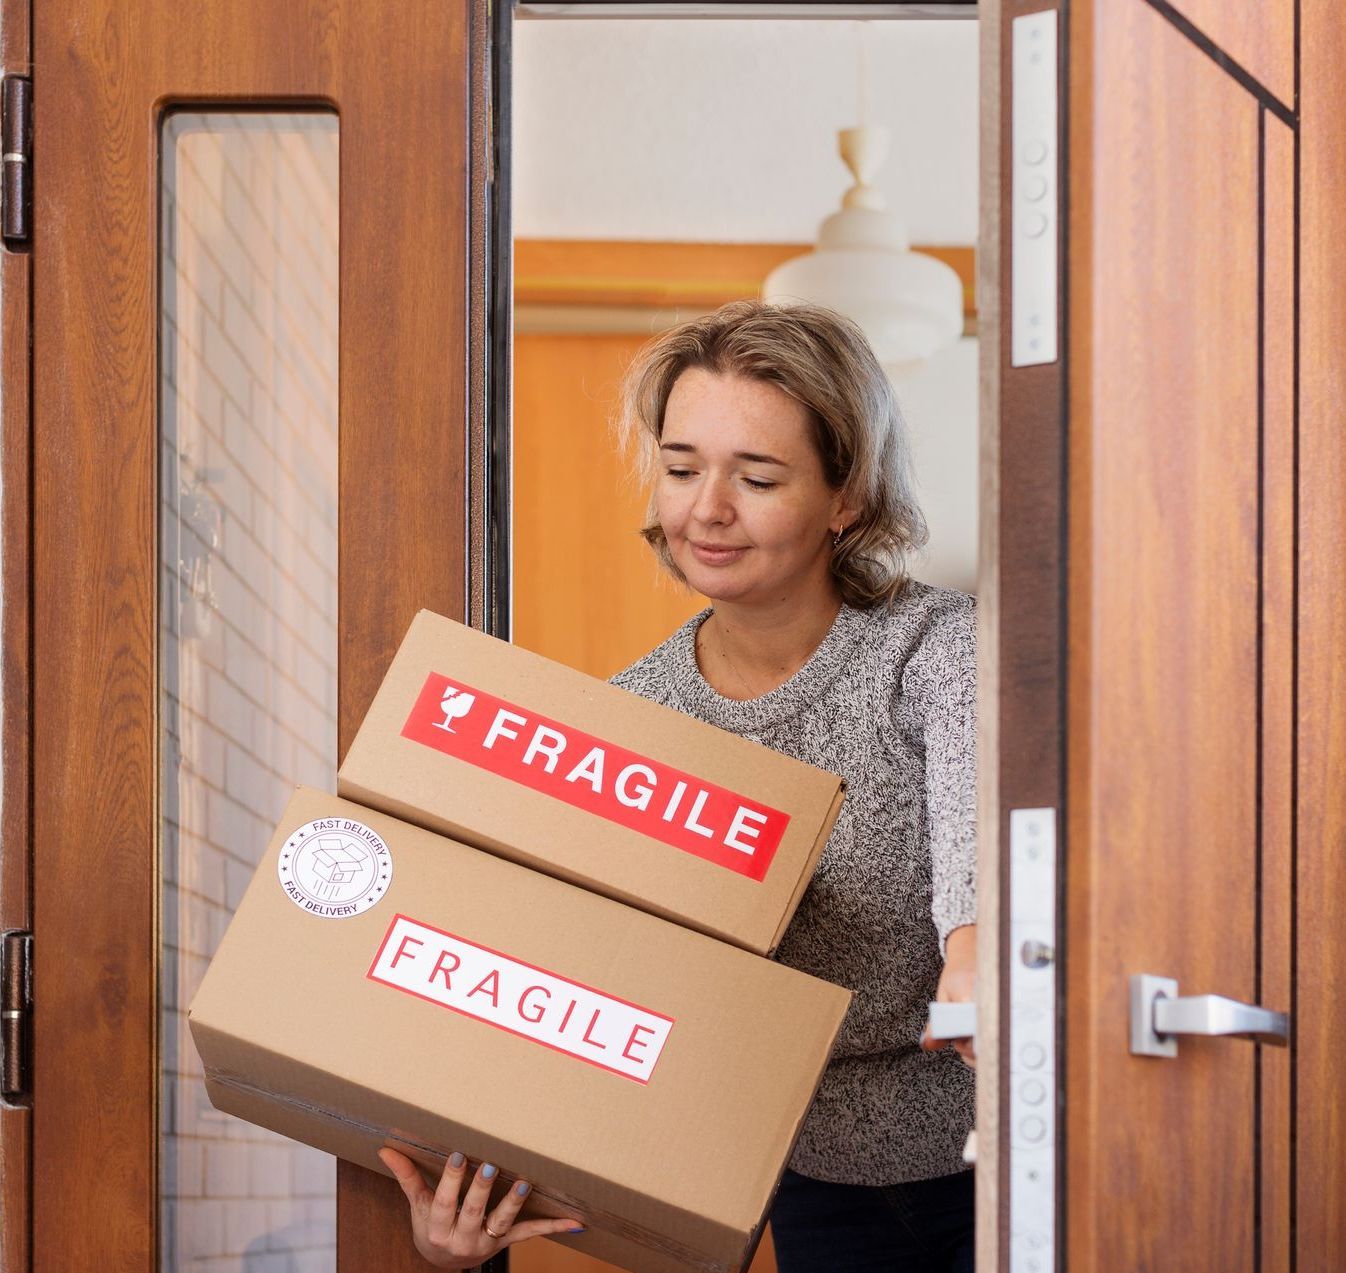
<point x="922" y="1227"/>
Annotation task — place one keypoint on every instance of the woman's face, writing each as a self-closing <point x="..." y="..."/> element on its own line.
<point x="741" y="496"/>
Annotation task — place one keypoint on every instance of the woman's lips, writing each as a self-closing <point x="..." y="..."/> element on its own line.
<point x="716" y="554"/>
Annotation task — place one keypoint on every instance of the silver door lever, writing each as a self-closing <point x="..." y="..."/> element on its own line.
<point x="1158" y="1015"/>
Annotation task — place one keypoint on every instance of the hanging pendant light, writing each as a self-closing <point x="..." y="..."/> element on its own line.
<point x="908" y="304"/>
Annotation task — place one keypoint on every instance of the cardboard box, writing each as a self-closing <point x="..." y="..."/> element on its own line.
<point x="510" y="752"/>
<point x="381" y="985"/>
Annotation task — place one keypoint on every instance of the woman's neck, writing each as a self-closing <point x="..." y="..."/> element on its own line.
<point x="745" y="651"/>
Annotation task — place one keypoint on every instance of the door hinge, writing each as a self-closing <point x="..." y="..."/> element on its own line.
<point x="16" y="137"/>
<point x="16" y="1014"/>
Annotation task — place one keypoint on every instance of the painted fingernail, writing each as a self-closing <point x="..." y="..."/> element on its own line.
<point x="456" y="1161"/>
<point x="579" y="1230"/>
<point x="522" y="1188"/>
<point x="487" y="1171"/>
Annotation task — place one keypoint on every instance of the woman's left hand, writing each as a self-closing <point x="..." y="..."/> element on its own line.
<point x="957" y="984"/>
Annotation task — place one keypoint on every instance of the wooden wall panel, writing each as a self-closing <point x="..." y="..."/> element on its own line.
<point x="1162" y="764"/>
<point x="587" y="590"/>
<point x="653" y="273"/>
<point x="1320" y="882"/>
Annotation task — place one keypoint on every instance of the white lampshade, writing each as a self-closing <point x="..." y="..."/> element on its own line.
<point x="909" y="305"/>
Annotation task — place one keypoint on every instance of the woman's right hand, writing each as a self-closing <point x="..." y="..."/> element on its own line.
<point x="454" y="1237"/>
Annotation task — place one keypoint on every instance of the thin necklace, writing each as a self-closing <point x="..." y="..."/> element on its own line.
<point x="730" y="664"/>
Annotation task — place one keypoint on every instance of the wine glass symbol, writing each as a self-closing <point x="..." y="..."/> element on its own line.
<point x="455" y="704"/>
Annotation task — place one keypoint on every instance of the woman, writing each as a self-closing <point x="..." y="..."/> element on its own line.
<point x="782" y="492"/>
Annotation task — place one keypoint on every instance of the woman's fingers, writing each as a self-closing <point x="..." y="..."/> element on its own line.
<point x="473" y="1211"/>
<point x="460" y="1233"/>
<point x="418" y="1194"/>
<point x="538" y="1228"/>
<point x="500" y="1220"/>
<point x="444" y="1208"/>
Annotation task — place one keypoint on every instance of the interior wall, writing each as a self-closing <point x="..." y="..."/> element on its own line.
<point x="725" y="131"/>
<point x="714" y="131"/>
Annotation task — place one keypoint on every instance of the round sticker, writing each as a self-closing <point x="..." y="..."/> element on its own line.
<point x="334" y="868"/>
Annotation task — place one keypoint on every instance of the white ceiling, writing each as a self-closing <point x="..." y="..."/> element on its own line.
<point x="726" y="130"/>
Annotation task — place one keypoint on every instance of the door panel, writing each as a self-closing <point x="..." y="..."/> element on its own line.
<point x="1318" y="1081"/>
<point x="1259" y="37"/>
<point x="1164" y="713"/>
<point x="1192" y="727"/>
<point x="1164" y="644"/>
<point x="110" y="70"/>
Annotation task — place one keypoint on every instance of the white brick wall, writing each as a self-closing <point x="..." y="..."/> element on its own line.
<point x="249" y="446"/>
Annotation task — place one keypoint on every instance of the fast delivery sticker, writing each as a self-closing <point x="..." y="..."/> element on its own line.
<point x="678" y="808"/>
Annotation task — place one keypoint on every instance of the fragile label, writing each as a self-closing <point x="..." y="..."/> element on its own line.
<point x="334" y="868"/>
<point x="602" y="778"/>
<point x="545" y="1007"/>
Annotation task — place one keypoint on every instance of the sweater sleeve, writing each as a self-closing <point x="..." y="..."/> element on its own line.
<point x="943" y="674"/>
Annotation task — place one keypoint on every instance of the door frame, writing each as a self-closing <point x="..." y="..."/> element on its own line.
<point x="16" y="911"/>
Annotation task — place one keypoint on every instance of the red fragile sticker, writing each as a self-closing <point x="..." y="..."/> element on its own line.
<point x="519" y="997"/>
<point x="678" y="808"/>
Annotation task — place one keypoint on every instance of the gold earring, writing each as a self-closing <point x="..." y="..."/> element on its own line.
<point x="836" y="537"/>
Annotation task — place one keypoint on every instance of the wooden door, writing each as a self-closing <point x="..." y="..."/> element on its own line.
<point x="196" y="531"/>
<point x="1167" y="632"/>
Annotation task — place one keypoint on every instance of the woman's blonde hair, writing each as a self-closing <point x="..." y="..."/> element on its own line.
<point x="822" y="361"/>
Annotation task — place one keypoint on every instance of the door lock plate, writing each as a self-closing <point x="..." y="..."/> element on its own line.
<point x="1145" y="989"/>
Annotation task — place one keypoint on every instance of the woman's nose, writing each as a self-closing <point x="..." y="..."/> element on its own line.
<point x="713" y="503"/>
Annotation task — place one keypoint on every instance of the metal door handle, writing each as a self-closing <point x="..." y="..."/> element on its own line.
<point x="1158" y="1014"/>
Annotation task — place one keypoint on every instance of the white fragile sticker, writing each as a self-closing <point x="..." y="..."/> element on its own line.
<point x="545" y="1007"/>
<point x="334" y="868"/>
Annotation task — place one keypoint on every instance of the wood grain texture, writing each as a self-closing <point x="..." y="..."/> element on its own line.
<point x="15" y="650"/>
<point x="110" y="67"/>
<point x="1161" y="872"/>
<point x="1278" y="663"/>
<point x="15" y="436"/>
<point x="1259" y="37"/>
<point x="1320" y="798"/>
<point x="15" y="647"/>
<point x="15" y="295"/>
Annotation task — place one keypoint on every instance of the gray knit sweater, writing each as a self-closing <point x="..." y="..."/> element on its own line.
<point x="888" y="702"/>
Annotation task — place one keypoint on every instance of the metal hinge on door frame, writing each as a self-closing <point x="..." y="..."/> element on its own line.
<point x="16" y="1014"/>
<point x="16" y="137"/>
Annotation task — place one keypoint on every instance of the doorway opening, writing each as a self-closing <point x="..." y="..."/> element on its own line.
<point x="656" y="170"/>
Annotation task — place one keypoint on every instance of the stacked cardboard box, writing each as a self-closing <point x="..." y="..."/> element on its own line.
<point x="583" y="1003"/>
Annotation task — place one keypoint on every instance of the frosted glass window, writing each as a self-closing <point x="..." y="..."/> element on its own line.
<point x="248" y="644"/>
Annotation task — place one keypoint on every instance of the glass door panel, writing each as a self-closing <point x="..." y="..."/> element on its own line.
<point x="248" y="623"/>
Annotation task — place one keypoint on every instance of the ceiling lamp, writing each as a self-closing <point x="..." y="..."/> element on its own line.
<point x="908" y="304"/>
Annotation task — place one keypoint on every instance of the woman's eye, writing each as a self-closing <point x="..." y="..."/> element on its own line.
<point x="758" y="485"/>
<point x="678" y="473"/>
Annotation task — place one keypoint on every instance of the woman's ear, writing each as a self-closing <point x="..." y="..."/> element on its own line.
<point x="843" y="515"/>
